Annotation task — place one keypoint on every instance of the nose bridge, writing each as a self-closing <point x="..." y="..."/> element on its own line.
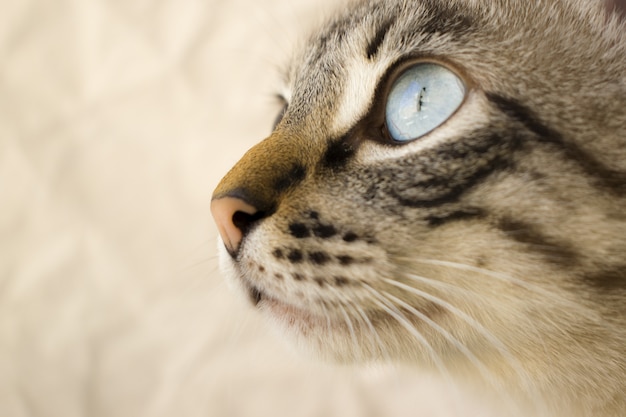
<point x="263" y="174"/>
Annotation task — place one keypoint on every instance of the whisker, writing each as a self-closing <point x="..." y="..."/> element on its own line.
<point x="501" y="277"/>
<point x="328" y="321"/>
<point x="382" y="302"/>
<point x="492" y="339"/>
<point x="480" y="366"/>
<point x="506" y="278"/>
<point x="497" y="343"/>
<point x="389" y="308"/>
<point x="355" y="342"/>
<point x="375" y="339"/>
<point x="201" y="262"/>
<point x="360" y="314"/>
<point x="468" y="293"/>
<point x="462" y="348"/>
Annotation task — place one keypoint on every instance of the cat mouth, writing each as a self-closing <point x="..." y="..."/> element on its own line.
<point x="255" y="295"/>
<point x="293" y="316"/>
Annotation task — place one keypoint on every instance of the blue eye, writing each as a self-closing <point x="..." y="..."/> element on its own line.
<point x="424" y="97"/>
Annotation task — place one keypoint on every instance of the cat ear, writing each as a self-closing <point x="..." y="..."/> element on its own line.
<point x="617" y="7"/>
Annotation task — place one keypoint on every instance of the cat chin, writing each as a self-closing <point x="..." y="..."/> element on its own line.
<point x="333" y="342"/>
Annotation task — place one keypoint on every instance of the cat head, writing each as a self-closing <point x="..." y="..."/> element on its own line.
<point x="446" y="185"/>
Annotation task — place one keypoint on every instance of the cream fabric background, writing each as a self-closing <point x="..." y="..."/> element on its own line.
<point x="117" y="119"/>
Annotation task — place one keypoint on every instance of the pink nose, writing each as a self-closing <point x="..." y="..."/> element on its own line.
<point x="233" y="216"/>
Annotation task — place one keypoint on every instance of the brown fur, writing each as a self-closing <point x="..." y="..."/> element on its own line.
<point x="492" y="248"/>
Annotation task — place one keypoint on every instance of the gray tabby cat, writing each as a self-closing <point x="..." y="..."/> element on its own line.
<point x="447" y="186"/>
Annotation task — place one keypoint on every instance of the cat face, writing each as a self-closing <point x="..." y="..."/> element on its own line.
<point x="446" y="186"/>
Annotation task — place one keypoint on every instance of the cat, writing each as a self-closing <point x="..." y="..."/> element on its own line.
<point x="446" y="186"/>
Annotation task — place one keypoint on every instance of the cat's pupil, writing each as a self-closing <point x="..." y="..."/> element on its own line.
<point x="420" y="101"/>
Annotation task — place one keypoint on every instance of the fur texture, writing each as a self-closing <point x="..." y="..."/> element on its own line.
<point x="492" y="248"/>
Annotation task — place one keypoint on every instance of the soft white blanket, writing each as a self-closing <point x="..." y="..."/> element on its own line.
<point x="117" y="119"/>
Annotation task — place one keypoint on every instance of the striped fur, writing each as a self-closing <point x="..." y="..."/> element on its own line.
<point x="491" y="249"/>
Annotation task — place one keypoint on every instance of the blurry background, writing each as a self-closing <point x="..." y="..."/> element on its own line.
<point x="117" y="119"/>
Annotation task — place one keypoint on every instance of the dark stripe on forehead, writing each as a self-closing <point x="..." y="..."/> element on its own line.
<point x="333" y="34"/>
<point x="377" y="41"/>
<point x="616" y="6"/>
<point x="445" y="17"/>
<point x="607" y="178"/>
